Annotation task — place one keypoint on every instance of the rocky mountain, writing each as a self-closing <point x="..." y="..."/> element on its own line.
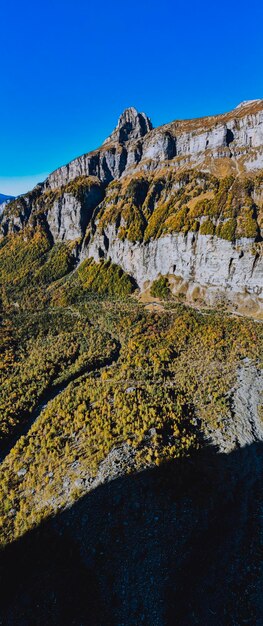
<point x="183" y="200"/>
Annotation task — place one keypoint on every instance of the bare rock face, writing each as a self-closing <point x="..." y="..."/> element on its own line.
<point x="192" y="143"/>
<point x="4" y="200"/>
<point x="131" y="126"/>
<point x="224" y="269"/>
<point x="16" y="213"/>
<point x="106" y="164"/>
<point x="160" y="146"/>
<point x="245" y="426"/>
<point x="69" y="216"/>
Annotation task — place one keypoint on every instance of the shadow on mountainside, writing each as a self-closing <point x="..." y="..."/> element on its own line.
<point x="174" y="546"/>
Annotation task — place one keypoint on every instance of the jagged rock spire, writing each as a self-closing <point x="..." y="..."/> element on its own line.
<point x="131" y="125"/>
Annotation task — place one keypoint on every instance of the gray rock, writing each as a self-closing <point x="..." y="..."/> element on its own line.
<point x="199" y="260"/>
<point x="79" y="482"/>
<point x="238" y="134"/>
<point x="22" y="472"/>
<point x="131" y="125"/>
<point x="244" y="426"/>
<point x="69" y="216"/>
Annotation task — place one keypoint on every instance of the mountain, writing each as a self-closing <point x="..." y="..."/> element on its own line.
<point x="131" y="381"/>
<point x="182" y="200"/>
<point x="4" y="198"/>
<point x="4" y="201"/>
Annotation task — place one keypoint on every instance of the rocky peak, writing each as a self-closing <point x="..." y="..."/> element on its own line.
<point x="131" y="126"/>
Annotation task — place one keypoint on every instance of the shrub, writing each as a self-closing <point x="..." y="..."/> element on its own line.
<point x="227" y="229"/>
<point x="207" y="228"/>
<point x="160" y="288"/>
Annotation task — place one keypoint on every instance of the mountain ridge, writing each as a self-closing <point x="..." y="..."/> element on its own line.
<point x="251" y="108"/>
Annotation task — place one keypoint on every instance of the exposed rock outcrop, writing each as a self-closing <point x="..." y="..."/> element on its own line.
<point x="17" y="213"/>
<point x="131" y="125"/>
<point x="245" y="426"/>
<point x="69" y="215"/>
<point x="223" y="268"/>
<point x="107" y="164"/>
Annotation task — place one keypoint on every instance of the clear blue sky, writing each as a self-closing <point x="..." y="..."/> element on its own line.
<point x="68" y="69"/>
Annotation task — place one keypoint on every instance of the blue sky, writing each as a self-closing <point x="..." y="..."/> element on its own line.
<point x="68" y="69"/>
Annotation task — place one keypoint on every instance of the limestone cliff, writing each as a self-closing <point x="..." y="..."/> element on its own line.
<point x="206" y="268"/>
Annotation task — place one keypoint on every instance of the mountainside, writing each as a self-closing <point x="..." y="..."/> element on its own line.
<point x="131" y="424"/>
<point x="183" y="200"/>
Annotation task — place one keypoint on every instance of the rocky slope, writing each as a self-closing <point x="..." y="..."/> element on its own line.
<point x="184" y="199"/>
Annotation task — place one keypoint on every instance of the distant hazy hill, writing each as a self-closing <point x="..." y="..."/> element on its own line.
<point x="4" y="201"/>
<point x="4" y="198"/>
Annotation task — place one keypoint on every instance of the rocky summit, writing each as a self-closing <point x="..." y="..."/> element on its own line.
<point x="182" y="200"/>
<point x="131" y="125"/>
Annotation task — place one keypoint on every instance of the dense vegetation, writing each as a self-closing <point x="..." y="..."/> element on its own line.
<point x="31" y="269"/>
<point x="174" y="372"/>
<point x="160" y="288"/>
<point x="148" y="205"/>
<point x="28" y="264"/>
<point x="100" y="279"/>
<point x="40" y="362"/>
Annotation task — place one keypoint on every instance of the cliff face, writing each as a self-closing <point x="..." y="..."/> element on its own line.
<point x="69" y="215"/>
<point x="184" y="199"/>
<point x="210" y="269"/>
